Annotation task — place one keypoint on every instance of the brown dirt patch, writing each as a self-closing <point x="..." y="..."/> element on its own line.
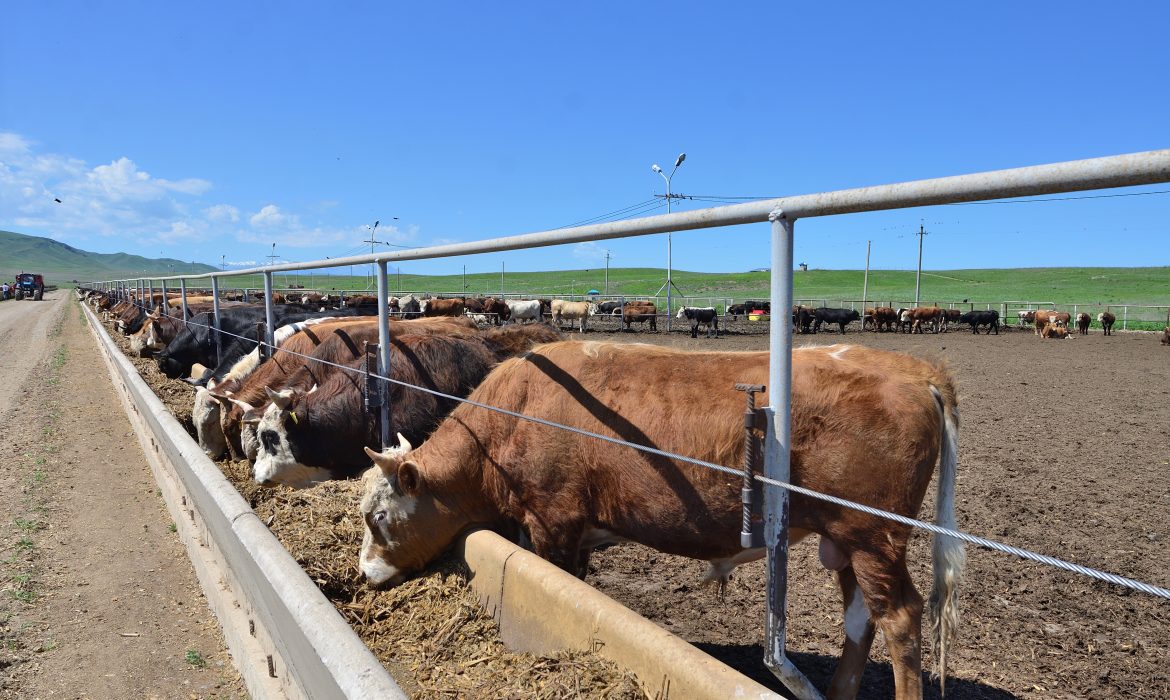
<point x="99" y="598"/>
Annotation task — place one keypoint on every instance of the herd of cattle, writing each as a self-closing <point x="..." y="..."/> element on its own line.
<point x="300" y="417"/>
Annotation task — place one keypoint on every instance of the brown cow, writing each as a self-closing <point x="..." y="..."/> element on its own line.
<point x="502" y="312"/>
<point x="640" y="312"/>
<point x="950" y="316"/>
<point x="1083" y="321"/>
<point x="1052" y="330"/>
<point x="926" y="315"/>
<point x="1106" y="320"/>
<point x="1165" y="336"/>
<point x="339" y="343"/>
<point x="442" y="307"/>
<point x="157" y="330"/>
<point x="570" y="493"/>
<point x="1056" y="318"/>
<point x="309" y="436"/>
<point x="884" y="316"/>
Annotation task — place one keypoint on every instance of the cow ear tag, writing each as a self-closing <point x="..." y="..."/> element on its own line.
<point x="294" y="417"/>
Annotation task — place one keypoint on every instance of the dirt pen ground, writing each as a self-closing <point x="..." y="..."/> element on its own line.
<point x="1064" y="450"/>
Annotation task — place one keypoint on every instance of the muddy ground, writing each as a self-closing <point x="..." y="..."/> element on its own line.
<point x="1064" y="450"/>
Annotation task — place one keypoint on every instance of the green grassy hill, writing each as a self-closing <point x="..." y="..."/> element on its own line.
<point x="61" y="263"/>
<point x="1083" y="285"/>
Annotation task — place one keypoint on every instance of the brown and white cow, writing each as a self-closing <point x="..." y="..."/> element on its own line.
<point x="1106" y="320"/>
<point x="1083" y="321"/>
<point x="337" y="343"/>
<point x="922" y="316"/>
<point x="1045" y="317"/>
<point x="1052" y="331"/>
<point x="157" y="330"/>
<point x="318" y="434"/>
<point x="569" y="492"/>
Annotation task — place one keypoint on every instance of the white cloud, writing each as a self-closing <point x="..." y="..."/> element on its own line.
<point x="590" y="252"/>
<point x="222" y="213"/>
<point x="120" y="198"/>
<point x="270" y="216"/>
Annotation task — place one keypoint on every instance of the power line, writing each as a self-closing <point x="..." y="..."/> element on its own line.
<point x="652" y="203"/>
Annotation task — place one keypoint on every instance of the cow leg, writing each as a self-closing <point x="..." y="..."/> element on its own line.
<point x="859" y="633"/>
<point x="558" y="543"/>
<point x="897" y="607"/>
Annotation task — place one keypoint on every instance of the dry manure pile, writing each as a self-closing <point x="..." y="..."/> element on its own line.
<point x="430" y="631"/>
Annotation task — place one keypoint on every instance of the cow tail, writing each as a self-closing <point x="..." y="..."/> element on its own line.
<point x="948" y="554"/>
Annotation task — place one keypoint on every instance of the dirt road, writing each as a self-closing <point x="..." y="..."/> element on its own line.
<point x="97" y="597"/>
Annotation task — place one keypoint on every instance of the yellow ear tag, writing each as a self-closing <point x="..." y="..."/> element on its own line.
<point x="294" y="417"/>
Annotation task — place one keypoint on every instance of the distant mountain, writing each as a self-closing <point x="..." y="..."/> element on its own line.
<point x="61" y="263"/>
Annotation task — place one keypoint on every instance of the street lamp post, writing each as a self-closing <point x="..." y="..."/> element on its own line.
<point x="669" y="252"/>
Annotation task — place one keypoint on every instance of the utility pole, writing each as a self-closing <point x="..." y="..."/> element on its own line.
<point x="373" y="242"/>
<point x="865" y="285"/>
<point x="607" y="273"/>
<point x="223" y="262"/>
<point x="918" y="278"/>
<point x="669" y="255"/>
<point x="370" y="272"/>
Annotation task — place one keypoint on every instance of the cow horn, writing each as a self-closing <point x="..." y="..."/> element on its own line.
<point x="386" y="461"/>
<point x="404" y="444"/>
<point x="283" y="399"/>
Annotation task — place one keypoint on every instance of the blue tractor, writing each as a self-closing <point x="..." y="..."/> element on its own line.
<point x="29" y="286"/>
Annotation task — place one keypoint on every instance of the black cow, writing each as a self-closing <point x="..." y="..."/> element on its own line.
<point x="981" y="318"/>
<point x="841" y="317"/>
<point x="708" y="316"/>
<point x="802" y="318"/>
<point x="737" y="310"/>
<point x="609" y="307"/>
<point x="196" y="342"/>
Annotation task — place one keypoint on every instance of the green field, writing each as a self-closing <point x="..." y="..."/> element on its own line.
<point x="1082" y="285"/>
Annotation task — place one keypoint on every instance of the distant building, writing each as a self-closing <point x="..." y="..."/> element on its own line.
<point x="804" y="267"/>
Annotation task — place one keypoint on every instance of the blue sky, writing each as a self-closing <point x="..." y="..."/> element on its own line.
<point x="217" y="129"/>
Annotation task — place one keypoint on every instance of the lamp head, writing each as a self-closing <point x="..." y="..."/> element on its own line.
<point x="681" y="158"/>
<point x="656" y="169"/>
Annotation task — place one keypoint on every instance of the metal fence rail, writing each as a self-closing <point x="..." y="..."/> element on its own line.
<point x="782" y="213"/>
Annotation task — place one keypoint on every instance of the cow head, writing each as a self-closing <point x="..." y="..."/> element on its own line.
<point x="205" y="416"/>
<point x="406" y="526"/>
<point x="277" y="461"/>
<point x="172" y="368"/>
<point x="682" y="312"/>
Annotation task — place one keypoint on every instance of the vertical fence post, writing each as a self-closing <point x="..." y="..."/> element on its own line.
<point x="166" y="307"/>
<point x="1124" y="317"/>
<point x="777" y="445"/>
<point x="183" y="292"/>
<point x="384" y="355"/>
<point x="215" y="319"/>
<point x="269" y="313"/>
